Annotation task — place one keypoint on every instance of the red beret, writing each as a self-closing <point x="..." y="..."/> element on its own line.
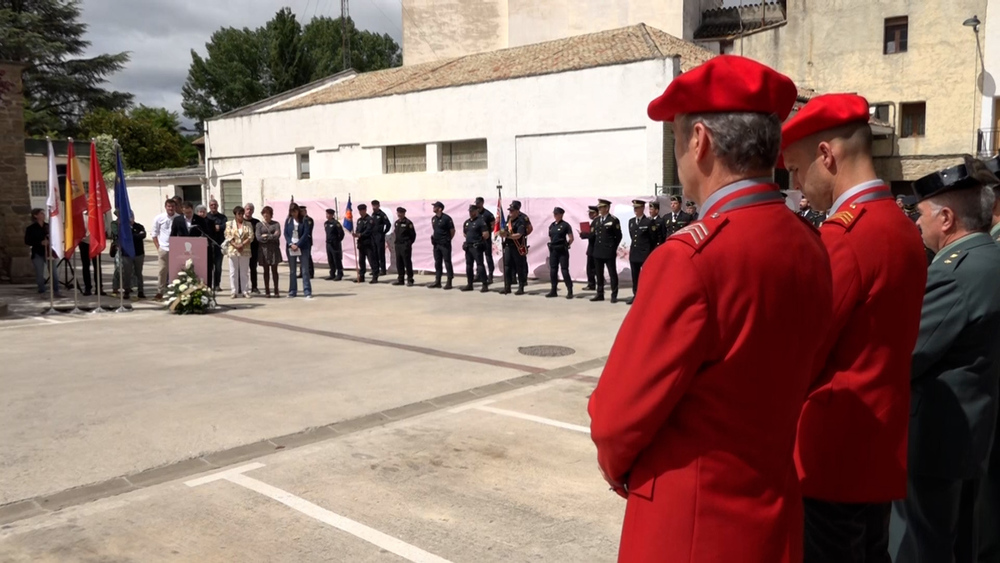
<point x="726" y="83"/>
<point x="822" y="113"/>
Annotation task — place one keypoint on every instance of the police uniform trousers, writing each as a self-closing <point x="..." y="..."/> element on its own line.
<point x="514" y="265"/>
<point x="989" y="513"/>
<point x="636" y="268"/>
<point x="488" y="254"/>
<point x="404" y="261"/>
<point x="335" y="257"/>
<point x="611" y="265"/>
<point x="378" y="247"/>
<point x="846" y="532"/>
<point x="937" y="522"/>
<point x="474" y="255"/>
<point x="442" y="256"/>
<point x="559" y="259"/>
<point x="591" y="271"/>
<point x="367" y="252"/>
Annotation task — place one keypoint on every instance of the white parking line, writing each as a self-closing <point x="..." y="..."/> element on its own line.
<point x="342" y="523"/>
<point x="533" y="418"/>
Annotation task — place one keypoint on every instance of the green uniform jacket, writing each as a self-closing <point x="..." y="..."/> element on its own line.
<point x="956" y="362"/>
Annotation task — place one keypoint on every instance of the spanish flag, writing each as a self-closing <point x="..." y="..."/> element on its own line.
<point x="76" y="202"/>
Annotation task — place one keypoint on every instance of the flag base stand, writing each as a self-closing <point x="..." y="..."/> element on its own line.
<point x="53" y="311"/>
<point x="121" y="302"/>
<point x="99" y="310"/>
<point x="52" y="291"/>
<point x="123" y="309"/>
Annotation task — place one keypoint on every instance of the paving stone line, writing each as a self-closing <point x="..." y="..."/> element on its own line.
<point x="28" y="508"/>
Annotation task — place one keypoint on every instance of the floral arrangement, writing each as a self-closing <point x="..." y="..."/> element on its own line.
<point x="187" y="295"/>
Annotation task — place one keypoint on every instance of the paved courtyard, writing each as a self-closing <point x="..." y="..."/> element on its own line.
<point x="372" y="423"/>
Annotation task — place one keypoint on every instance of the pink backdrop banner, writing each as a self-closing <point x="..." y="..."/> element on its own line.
<point x="183" y="249"/>
<point x="420" y="212"/>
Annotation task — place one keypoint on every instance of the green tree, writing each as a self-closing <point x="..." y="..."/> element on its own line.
<point x="60" y="86"/>
<point x="246" y="66"/>
<point x="148" y="136"/>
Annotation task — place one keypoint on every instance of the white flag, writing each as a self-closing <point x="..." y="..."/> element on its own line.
<point x="52" y="205"/>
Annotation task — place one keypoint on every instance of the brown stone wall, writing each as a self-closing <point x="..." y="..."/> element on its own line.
<point x="15" y="205"/>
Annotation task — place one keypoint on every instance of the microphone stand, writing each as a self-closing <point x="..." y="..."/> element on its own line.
<point x="211" y="283"/>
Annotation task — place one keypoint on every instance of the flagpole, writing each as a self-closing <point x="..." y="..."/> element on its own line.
<point x="76" y="289"/>
<point x="99" y="309"/>
<point x="48" y="248"/>
<point x="121" y="283"/>
<point x="52" y="292"/>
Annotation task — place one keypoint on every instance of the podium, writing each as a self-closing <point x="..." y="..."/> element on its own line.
<point x="183" y="249"/>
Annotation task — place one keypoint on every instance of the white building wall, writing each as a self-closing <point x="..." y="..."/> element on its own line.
<point x="602" y="109"/>
<point x="990" y="37"/>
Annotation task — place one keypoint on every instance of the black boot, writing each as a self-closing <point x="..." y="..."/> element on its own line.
<point x="590" y="287"/>
<point x="486" y="288"/>
<point x="468" y="287"/>
<point x="506" y="290"/>
<point x="614" y="296"/>
<point x="397" y="282"/>
<point x="520" y="290"/>
<point x="374" y="280"/>
<point x="436" y="284"/>
<point x="569" y="292"/>
<point x="552" y="293"/>
<point x="630" y="300"/>
<point x="598" y="297"/>
<point x="447" y="285"/>
<point x="409" y="283"/>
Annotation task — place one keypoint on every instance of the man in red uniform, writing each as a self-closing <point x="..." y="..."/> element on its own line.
<point x="851" y="447"/>
<point x="694" y="417"/>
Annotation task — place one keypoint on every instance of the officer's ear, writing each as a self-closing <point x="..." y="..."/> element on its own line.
<point x="824" y="153"/>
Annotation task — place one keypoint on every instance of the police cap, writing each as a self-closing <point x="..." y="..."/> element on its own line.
<point x="638" y="203"/>
<point x="603" y="202"/>
<point x="558" y="211"/>
<point x="400" y="210"/>
<point x="362" y="207"/>
<point x="676" y="198"/>
<point x="973" y="173"/>
<point x="331" y="211"/>
<point x="514" y="205"/>
<point x="592" y="208"/>
<point x="438" y="204"/>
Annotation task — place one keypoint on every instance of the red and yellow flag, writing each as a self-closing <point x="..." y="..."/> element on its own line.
<point x="97" y="205"/>
<point x="76" y="202"/>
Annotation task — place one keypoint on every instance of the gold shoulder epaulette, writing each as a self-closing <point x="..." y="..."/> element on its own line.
<point x="844" y="218"/>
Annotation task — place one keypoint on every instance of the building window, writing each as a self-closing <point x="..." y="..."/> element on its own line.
<point x="880" y="112"/>
<point x="405" y="158"/>
<point x="914" y="116"/>
<point x="895" y="35"/>
<point x="464" y="155"/>
<point x="39" y="189"/>
<point x="303" y="159"/>
<point x="232" y="195"/>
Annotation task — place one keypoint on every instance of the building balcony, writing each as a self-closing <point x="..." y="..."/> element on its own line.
<point x="987" y="143"/>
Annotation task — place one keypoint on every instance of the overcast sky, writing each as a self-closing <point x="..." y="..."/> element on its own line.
<point x="160" y="34"/>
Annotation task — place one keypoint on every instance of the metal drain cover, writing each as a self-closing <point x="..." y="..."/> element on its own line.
<point x="546" y="351"/>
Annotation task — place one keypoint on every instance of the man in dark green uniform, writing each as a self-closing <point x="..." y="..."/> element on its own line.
<point x="955" y="371"/>
<point x="989" y="525"/>
<point x="659" y="227"/>
<point x="491" y="220"/>
<point x="404" y="235"/>
<point x="560" y="239"/>
<point x="607" y="236"/>
<point x="640" y="229"/>
<point x="443" y="230"/>
<point x="589" y="237"/>
<point x="476" y="234"/>
<point x="515" y="241"/>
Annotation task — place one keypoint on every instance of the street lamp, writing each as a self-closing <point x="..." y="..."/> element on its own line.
<point x="974" y="22"/>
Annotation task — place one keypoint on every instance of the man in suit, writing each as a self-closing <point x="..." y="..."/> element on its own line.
<point x="659" y="226"/>
<point x="607" y="231"/>
<point x="851" y="445"/>
<point x="956" y="366"/>
<point x="187" y="224"/>
<point x="248" y="210"/>
<point x="807" y="212"/>
<point x="589" y="237"/>
<point x="694" y="416"/>
<point x="640" y="229"/>
<point x="676" y="219"/>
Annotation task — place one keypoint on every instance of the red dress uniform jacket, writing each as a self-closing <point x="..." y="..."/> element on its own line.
<point x="697" y="407"/>
<point x="852" y="433"/>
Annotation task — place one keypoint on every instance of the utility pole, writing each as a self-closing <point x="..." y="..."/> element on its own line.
<point x="345" y="45"/>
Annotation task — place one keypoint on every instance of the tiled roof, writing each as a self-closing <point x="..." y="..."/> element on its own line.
<point x="733" y="21"/>
<point x="618" y="46"/>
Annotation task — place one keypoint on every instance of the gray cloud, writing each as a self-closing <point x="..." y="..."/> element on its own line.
<point x="160" y="34"/>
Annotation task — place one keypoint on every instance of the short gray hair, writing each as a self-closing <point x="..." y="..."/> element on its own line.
<point x="744" y="142"/>
<point x="199" y="208"/>
<point x="250" y="205"/>
<point x="973" y="207"/>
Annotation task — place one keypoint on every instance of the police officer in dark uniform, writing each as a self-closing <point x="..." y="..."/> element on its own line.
<point x="380" y="229"/>
<point x="560" y="239"/>
<point x="607" y="236"/>
<point x="334" y="245"/>
<point x="676" y="219"/>
<point x="589" y="237"/>
<point x="692" y="210"/>
<point x="476" y="235"/>
<point x="443" y="231"/>
<point x="658" y="229"/>
<point x="363" y="232"/>
<point x="640" y="229"/>
<point x="404" y="236"/>
<point x="515" y="241"/>
<point x="491" y="222"/>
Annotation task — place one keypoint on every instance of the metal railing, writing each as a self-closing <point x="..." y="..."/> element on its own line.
<point x="987" y="142"/>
